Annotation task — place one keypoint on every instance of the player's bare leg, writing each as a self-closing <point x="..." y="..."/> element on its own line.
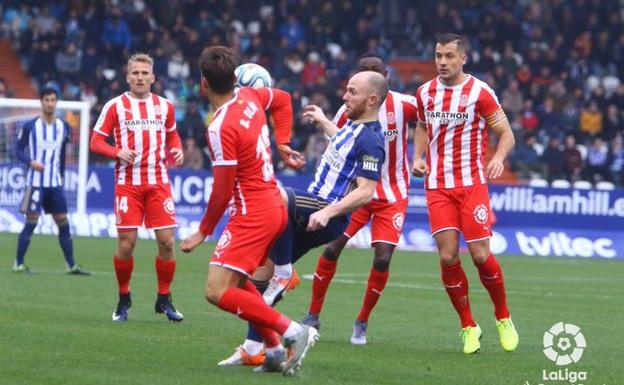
<point x="231" y="292"/>
<point x="491" y="276"/>
<point x="124" y="264"/>
<point x="456" y="285"/>
<point x="377" y="279"/>
<point x="165" y="271"/>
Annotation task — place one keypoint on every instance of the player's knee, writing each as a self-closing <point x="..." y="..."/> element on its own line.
<point x="212" y="294"/>
<point x="165" y="246"/>
<point x="479" y="258"/>
<point x="448" y="258"/>
<point x="333" y="250"/>
<point x="382" y="262"/>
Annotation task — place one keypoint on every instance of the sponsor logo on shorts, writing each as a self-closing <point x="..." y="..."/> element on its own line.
<point x="169" y="206"/>
<point x="397" y="221"/>
<point x="480" y="214"/>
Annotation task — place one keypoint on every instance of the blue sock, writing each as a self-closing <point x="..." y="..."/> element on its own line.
<point x="66" y="244"/>
<point x="23" y="241"/>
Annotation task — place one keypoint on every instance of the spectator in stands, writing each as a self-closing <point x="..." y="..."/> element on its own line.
<point x="512" y="99"/>
<point x="529" y="120"/>
<point x="572" y="159"/>
<point x="312" y="70"/>
<point x="591" y="120"/>
<point x="68" y="62"/>
<point x="193" y="157"/>
<point x="617" y="161"/>
<point x="597" y="161"/>
<point x="612" y="123"/>
<point x="116" y="37"/>
<point x="178" y="67"/>
<point x="552" y="160"/>
<point x="525" y="159"/>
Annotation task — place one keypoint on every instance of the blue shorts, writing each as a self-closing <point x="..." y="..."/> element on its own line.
<point x="52" y="199"/>
<point x="295" y="240"/>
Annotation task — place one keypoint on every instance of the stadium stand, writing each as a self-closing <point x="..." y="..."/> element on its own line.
<point x="556" y="68"/>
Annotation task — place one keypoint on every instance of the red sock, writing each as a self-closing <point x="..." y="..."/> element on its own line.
<point x="248" y="304"/>
<point x="376" y="283"/>
<point x="123" y="271"/>
<point x="492" y="278"/>
<point x="165" y="269"/>
<point x="325" y="270"/>
<point x="456" y="285"/>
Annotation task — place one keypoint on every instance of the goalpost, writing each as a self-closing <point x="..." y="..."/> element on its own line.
<point x="13" y="113"/>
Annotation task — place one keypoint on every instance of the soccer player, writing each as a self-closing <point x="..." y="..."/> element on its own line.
<point x="238" y="139"/>
<point x="386" y="211"/>
<point x="345" y="181"/>
<point x="45" y="137"/>
<point x="144" y="128"/>
<point x="454" y="111"/>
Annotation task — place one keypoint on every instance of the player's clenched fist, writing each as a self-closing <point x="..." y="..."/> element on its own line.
<point x="419" y="168"/>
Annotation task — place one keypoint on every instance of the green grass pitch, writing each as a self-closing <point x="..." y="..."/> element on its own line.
<point x="57" y="329"/>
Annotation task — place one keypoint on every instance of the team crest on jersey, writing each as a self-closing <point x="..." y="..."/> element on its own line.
<point x="463" y="101"/>
<point x="169" y="206"/>
<point x="397" y="221"/>
<point x="224" y="242"/>
<point x="481" y="214"/>
<point x="391" y="118"/>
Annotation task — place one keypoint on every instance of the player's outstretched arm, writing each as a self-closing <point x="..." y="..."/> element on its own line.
<point x="317" y="116"/>
<point x="224" y="178"/>
<point x="357" y="198"/>
<point x="506" y="142"/>
<point x="279" y="105"/>
<point x="419" y="166"/>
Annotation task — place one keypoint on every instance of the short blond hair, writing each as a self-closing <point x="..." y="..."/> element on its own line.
<point x="141" y="58"/>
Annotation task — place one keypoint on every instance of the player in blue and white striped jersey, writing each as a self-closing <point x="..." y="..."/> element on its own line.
<point x="345" y="180"/>
<point x="41" y="146"/>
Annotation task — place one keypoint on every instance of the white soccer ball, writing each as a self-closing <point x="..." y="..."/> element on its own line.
<point x="252" y="75"/>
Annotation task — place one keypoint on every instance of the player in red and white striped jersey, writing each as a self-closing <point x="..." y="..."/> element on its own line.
<point x="454" y="111"/>
<point x="144" y="128"/>
<point x="386" y="211"/>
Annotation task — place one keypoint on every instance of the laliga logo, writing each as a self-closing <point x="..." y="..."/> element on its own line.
<point x="564" y="343"/>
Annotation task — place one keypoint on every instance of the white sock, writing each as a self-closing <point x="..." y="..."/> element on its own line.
<point x="293" y="329"/>
<point x="253" y="347"/>
<point x="275" y="349"/>
<point x="283" y="271"/>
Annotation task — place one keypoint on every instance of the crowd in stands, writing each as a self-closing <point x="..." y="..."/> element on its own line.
<point x="557" y="66"/>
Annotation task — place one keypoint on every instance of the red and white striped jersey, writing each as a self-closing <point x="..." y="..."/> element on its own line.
<point x="456" y="126"/>
<point x="239" y="136"/>
<point x="394" y="116"/>
<point x="140" y="125"/>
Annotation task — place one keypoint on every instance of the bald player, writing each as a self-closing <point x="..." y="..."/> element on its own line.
<point x="345" y="181"/>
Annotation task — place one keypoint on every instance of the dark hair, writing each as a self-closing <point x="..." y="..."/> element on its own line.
<point x="217" y="65"/>
<point x="47" y="91"/>
<point x="375" y="63"/>
<point x="448" y="37"/>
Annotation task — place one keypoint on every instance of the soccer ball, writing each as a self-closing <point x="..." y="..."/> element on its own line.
<point x="252" y="75"/>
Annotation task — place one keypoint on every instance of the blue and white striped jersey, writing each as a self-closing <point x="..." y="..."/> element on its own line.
<point x="357" y="150"/>
<point x="45" y="143"/>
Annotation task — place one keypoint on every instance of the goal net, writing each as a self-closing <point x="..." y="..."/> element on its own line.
<point x="13" y="114"/>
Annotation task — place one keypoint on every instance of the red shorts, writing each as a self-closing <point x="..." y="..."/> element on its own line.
<point x="149" y="204"/>
<point x="247" y="239"/>
<point x="387" y="221"/>
<point x="465" y="209"/>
